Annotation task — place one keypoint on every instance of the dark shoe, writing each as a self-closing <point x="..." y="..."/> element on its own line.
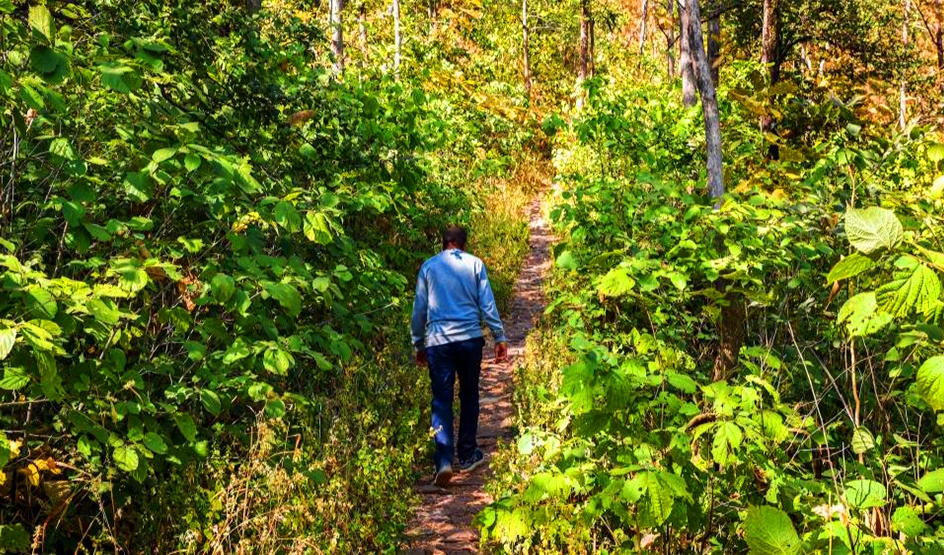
<point x="468" y="465"/>
<point x="443" y="475"/>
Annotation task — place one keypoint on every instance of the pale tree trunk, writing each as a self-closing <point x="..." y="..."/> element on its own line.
<point x="714" y="41"/>
<point x="362" y="30"/>
<point x="525" y="48"/>
<point x="670" y="41"/>
<point x="593" y="46"/>
<point x="903" y="93"/>
<point x="397" y="38"/>
<point x="583" y="65"/>
<point x="686" y="67"/>
<point x="642" y="26"/>
<point x="337" y="35"/>
<point x="709" y="102"/>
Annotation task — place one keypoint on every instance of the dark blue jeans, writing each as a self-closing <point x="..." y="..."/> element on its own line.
<point x="462" y="359"/>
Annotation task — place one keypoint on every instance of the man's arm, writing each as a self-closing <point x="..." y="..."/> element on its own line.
<point x="489" y="311"/>
<point x="420" y="306"/>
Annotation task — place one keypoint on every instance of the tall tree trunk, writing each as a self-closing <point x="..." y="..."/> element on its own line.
<point x="642" y="26"/>
<point x="770" y="39"/>
<point x="397" y="38"/>
<point x="593" y="46"/>
<point x="253" y="5"/>
<point x="770" y="57"/>
<point x="709" y="102"/>
<point x="583" y="65"/>
<point x="686" y="66"/>
<point x="525" y="48"/>
<point x="362" y="31"/>
<point x="903" y="93"/>
<point x="714" y="41"/>
<point x="939" y="33"/>
<point x="337" y="35"/>
<point x="670" y="41"/>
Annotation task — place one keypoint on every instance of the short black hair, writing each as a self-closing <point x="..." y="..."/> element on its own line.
<point x="454" y="235"/>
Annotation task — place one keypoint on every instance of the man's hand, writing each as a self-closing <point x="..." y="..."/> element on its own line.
<point x="501" y="352"/>
<point x="421" y="357"/>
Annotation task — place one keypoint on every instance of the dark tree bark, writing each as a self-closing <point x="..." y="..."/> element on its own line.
<point x="337" y="35"/>
<point x="686" y="66"/>
<point x="939" y="33"/>
<point x="714" y="41"/>
<point x="670" y="41"/>
<point x="253" y="5"/>
<point x="593" y="46"/>
<point x="771" y="58"/>
<point x="525" y="48"/>
<point x="362" y="30"/>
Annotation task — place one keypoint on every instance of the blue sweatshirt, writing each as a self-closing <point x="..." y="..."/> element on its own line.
<point x="453" y="296"/>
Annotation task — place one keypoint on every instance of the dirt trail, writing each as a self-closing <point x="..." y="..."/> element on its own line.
<point x="443" y="522"/>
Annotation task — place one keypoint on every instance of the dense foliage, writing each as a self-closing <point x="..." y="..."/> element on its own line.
<point x="207" y="244"/>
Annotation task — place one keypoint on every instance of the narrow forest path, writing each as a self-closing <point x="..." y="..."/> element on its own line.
<point x="443" y="521"/>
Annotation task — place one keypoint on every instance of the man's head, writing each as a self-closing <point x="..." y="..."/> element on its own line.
<point x="454" y="238"/>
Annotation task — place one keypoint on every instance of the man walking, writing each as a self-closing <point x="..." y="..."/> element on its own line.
<point x="453" y="296"/>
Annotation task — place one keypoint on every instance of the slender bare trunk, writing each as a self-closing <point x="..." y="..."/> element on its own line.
<point x="709" y="102"/>
<point x="642" y="26"/>
<point x="397" y="38"/>
<point x="593" y="46"/>
<point x="583" y="65"/>
<point x="714" y="42"/>
<point x="686" y="67"/>
<point x="770" y="57"/>
<point x="337" y="35"/>
<point x="939" y="33"/>
<point x="903" y="93"/>
<point x="670" y="41"/>
<point x="362" y="31"/>
<point x="525" y="48"/>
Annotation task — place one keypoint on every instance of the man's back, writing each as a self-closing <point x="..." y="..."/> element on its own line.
<point x="453" y="296"/>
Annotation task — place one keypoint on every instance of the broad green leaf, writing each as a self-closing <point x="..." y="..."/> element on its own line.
<point x="120" y="77"/>
<point x="133" y="280"/>
<point x="287" y="217"/>
<point x="4" y="450"/>
<point x="287" y="295"/>
<point x="237" y="351"/>
<point x="163" y="154"/>
<point x="7" y="339"/>
<point x="14" y="378"/>
<point x="873" y="228"/>
<point x="126" y="458"/>
<point x="192" y="162"/>
<point x="41" y="303"/>
<point x="317" y="228"/>
<point x="865" y="494"/>
<point x="275" y="408"/>
<point x="661" y="497"/>
<point x="616" y="283"/>
<point x="679" y="381"/>
<point x="907" y="521"/>
<point x="41" y="22"/>
<point x="223" y="287"/>
<point x="211" y="401"/>
<point x="187" y="426"/>
<point x="51" y="65"/>
<point x="277" y="361"/>
<point x="137" y="185"/>
<point x="931" y="382"/>
<point x="727" y="440"/>
<point x="567" y="261"/>
<point x="917" y="293"/>
<point x="937" y="188"/>
<point x="936" y="152"/>
<point x="862" y="441"/>
<point x="769" y="531"/>
<point x="861" y="316"/>
<point x="104" y="310"/>
<point x="7" y="6"/>
<point x="155" y="443"/>
<point x="49" y="380"/>
<point x="848" y="267"/>
<point x="932" y="482"/>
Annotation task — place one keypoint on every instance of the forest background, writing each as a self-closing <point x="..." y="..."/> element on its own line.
<point x="211" y="215"/>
